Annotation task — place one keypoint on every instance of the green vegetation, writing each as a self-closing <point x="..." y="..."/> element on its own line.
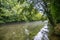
<point x="15" y="10"/>
<point x="18" y="11"/>
<point x="22" y="11"/>
<point x="54" y="8"/>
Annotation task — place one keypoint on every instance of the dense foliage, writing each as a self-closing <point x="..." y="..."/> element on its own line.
<point x="17" y="10"/>
<point x="55" y="10"/>
<point x="54" y="7"/>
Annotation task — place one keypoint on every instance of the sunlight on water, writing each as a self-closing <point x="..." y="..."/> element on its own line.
<point x="43" y="34"/>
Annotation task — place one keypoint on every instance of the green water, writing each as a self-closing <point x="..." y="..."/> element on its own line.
<point x="16" y="31"/>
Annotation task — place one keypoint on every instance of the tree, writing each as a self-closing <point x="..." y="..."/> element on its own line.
<point x="53" y="7"/>
<point x="17" y="10"/>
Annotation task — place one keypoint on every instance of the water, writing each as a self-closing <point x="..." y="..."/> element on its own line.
<point x="20" y="31"/>
<point x="25" y="31"/>
<point x="37" y="4"/>
<point x="43" y="34"/>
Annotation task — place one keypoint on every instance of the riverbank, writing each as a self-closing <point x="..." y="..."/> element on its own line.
<point x="56" y="34"/>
